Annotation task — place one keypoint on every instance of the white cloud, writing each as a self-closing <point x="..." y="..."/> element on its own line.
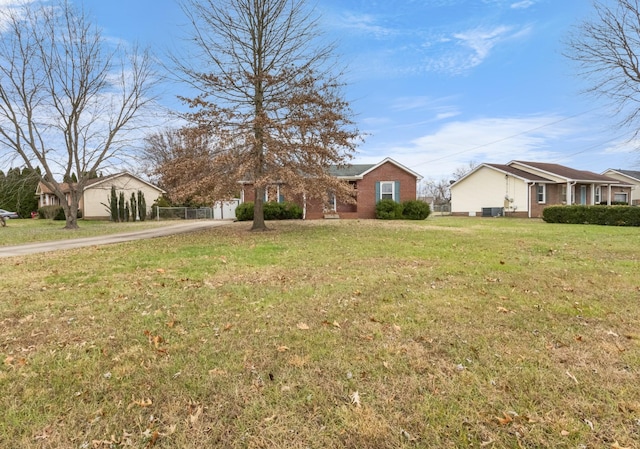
<point x="365" y="24"/>
<point x="495" y="140"/>
<point x="524" y="4"/>
<point x="481" y="41"/>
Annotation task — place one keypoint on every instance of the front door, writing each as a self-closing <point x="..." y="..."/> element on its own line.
<point x="583" y="194"/>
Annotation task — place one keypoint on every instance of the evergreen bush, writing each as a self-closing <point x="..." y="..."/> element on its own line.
<point x="272" y="211"/>
<point x="60" y="216"/>
<point x="244" y="212"/>
<point x="388" y="210"/>
<point x="415" y="210"/>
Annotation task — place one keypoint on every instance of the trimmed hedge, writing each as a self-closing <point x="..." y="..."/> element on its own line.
<point x="599" y="215"/>
<point x="408" y="210"/>
<point x="272" y="211"/>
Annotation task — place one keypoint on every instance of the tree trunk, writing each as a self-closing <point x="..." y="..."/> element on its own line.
<point x="71" y="211"/>
<point x="258" y="211"/>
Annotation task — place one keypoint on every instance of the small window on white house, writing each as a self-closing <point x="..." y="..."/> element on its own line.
<point x="542" y="193"/>
<point x="596" y="198"/>
<point x="620" y="197"/>
<point x="386" y="190"/>
<point x="563" y="194"/>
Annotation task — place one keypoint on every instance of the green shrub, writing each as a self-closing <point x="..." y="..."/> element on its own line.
<point x="415" y="210"/>
<point x="244" y="212"/>
<point x="49" y="212"/>
<point x="272" y="211"/>
<point x="293" y="211"/>
<point x="388" y="210"/>
<point x="60" y="216"/>
<point x="607" y="216"/>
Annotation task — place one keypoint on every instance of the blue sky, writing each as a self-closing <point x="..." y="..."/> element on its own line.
<point x="437" y="84"/>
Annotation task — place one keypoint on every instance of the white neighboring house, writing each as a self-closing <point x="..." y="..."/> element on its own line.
<point x="97" y="192"/>
<point x="629" y="176"/>
<point x="524" y="189"/>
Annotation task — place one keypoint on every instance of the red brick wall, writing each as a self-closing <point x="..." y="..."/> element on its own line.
<point x="366" y="194"/>
<point x="386" y="172"/>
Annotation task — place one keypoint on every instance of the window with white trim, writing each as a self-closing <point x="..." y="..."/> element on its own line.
<point x="541" y="193"/>
<point x="386" y="190"/>
<point x="620" y="197"/>
<point x="563" y="193"/>
<point x="596" y="197"/>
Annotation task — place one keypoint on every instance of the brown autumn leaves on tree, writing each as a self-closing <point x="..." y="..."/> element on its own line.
<point x="268" y="109"/>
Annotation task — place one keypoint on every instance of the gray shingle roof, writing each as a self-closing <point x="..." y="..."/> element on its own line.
<point x="569" y="173"/>
<point x="519" y="173"/>
<point x="631" y="173"/>
<point x="346" y="171"/>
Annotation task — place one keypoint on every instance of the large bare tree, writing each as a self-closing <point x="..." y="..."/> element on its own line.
<point x="606" y="49"/>
<point x="68" y="98"/>
<point x="269" y="95"/>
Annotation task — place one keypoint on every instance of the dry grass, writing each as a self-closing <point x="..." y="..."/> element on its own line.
<point x="443" y="334"/>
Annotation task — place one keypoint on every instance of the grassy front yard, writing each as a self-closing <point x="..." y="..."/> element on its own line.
<point x="24" y="231"/>
<point x="448" y="333"/>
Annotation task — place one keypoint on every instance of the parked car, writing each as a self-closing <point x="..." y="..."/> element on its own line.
<point x="7" y="214"/>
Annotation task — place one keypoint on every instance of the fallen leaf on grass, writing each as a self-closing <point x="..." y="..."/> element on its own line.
<point x="502" y="310"/>
<point x="504" y="421"/>
<point x="302" y="326"/>
<point x="140" y="403"/>
<point x="355" y="398"/>
<point x="154" y="438"/>
<point x="616" y="445"/>
<point x="160" y="270"/>
<point x="283" y="348"/>
<point x="196" y="415"/>
<point x="217" y="372"/>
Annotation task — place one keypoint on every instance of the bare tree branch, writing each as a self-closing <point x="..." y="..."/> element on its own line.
<point x="606" y="50"/>
<point x="67" y="100"/>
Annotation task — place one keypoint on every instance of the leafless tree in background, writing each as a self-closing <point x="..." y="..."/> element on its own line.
<point x="268" y="95"/>
<point x="606" y="50"/>
<point x="67" y="98"/>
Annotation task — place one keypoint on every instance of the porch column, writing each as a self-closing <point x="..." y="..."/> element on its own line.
<point x="608" y="194"/>
<point x="593" y="194"/>
<point x="304" y="206"/>
<point x="569" y="194"/>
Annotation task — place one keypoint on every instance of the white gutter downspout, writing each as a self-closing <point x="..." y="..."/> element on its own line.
<point x="570" y="192"/>
<point x="529" y="185"/>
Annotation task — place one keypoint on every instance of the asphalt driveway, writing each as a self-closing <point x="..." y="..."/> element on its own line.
<point x="43" y="247"/>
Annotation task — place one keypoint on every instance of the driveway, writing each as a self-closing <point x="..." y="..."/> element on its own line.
<point x="43" y="247"/>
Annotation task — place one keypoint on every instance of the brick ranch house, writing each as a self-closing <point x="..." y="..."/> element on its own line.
<point x="387" y="179"/>
<point x="524" y="189"/>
